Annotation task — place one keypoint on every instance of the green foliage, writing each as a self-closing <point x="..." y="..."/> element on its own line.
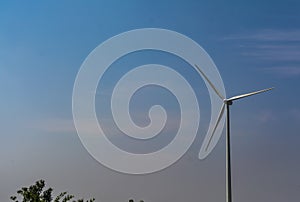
<point x="36" y="193"/>
<point x="131" y="200"/>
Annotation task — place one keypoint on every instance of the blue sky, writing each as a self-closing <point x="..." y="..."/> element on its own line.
<point x="254" y="44"/>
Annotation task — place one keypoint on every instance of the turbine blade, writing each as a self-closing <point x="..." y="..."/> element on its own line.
<point x="216" y="125"/>
<point x="210" y="83"/>
<point x="248" y="94"/>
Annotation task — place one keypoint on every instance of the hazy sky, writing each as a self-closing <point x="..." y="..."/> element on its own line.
<point x="254" y="44"/>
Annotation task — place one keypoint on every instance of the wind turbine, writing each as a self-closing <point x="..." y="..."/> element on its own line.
<point x="226" y="103"/>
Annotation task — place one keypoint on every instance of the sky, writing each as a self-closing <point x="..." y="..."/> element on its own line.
<point x="254" y="44"/>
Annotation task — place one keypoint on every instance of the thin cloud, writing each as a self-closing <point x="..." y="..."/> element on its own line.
<point x="54" y="125"/>
<point x="295" y="114"/>
<point x="63" y="126"/>
<point x="268" y="52"/>
<point x="266" y="116"/>
<point x="268" y="35"/>
<point x="285" y="71"/>
<point x="279" y="50"/>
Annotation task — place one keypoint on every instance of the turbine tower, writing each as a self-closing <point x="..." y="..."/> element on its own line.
<point x="226" y="103"/>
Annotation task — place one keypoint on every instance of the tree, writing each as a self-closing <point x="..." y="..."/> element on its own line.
<point x="36" y="193"/>
<point x="131" y="200"/>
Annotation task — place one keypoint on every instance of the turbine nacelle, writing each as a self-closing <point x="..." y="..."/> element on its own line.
<point x="227" y="102"/>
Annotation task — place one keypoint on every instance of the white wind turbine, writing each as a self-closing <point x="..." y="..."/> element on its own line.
<point x="226" y="103"/>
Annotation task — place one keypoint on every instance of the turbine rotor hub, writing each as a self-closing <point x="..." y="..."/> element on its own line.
<point x="227" y="102"/>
